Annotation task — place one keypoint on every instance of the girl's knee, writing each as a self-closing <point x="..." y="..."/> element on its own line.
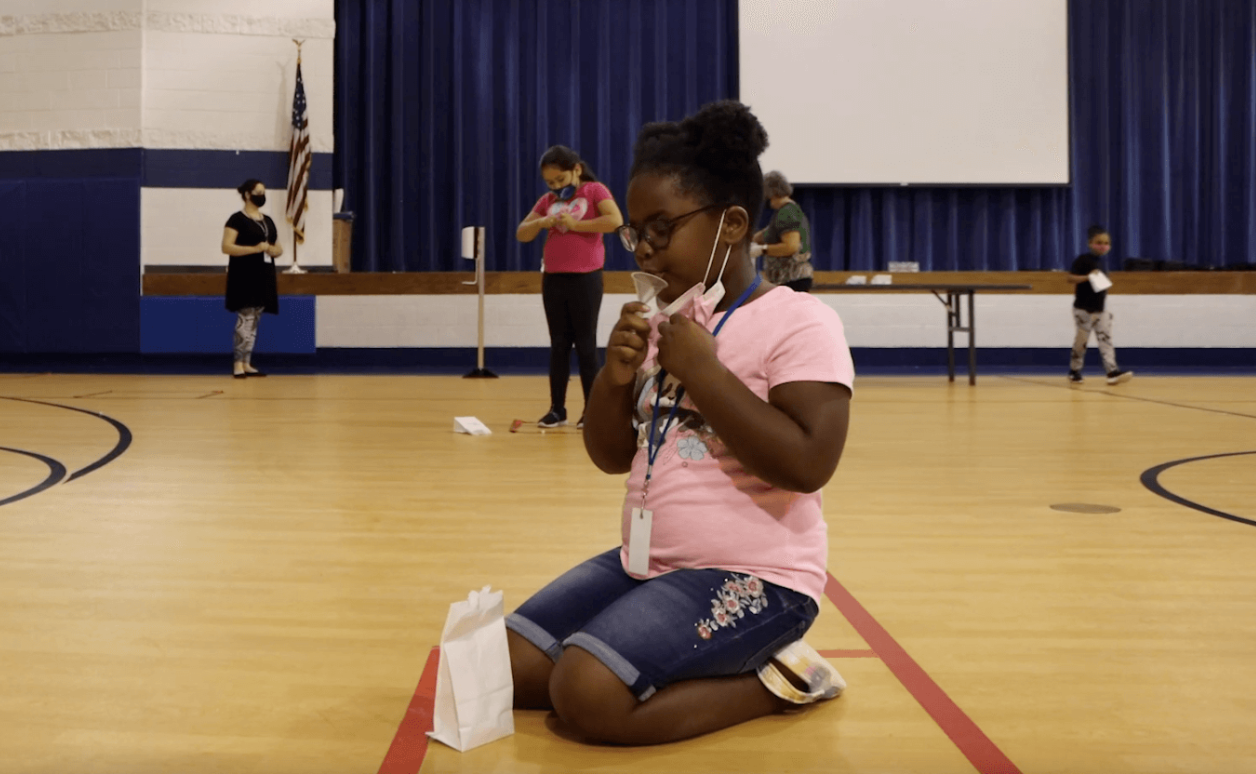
<point x="530" y="668"/>
<point x="589" y="698"/>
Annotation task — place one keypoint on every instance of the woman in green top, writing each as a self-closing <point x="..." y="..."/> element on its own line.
<point x="786" y="243"/>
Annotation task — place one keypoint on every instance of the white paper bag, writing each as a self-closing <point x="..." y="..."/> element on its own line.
<point x="474" y="688"/>
<point x="1099" y="281"/>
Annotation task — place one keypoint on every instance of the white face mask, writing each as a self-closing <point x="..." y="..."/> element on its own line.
<point x="698" y="298"/>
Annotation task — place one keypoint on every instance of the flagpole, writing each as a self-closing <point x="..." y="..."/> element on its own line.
<point x="295" y="268"/>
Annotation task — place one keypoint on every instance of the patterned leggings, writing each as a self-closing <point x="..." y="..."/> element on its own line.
<point x="1101" y="324"/>
<point x="246" y="332"/>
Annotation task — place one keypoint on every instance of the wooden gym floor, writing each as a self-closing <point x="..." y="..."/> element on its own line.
<point x="256" y="583"/>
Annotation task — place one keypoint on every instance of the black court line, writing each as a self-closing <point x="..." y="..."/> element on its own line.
<point x="1112" y="394"/>
<point x="56" y="472"/>
<point x="124" y="436"/>
<point x="1151" y="479"/>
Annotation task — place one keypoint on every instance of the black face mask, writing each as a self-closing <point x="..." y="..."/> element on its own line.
<point x="258" y="199"/>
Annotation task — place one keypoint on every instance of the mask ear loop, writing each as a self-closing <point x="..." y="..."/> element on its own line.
<point x="715" y="247"/>
<point x="727" y="253"/>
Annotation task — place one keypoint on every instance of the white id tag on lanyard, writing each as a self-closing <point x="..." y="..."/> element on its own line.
<point x="639" y="541"/>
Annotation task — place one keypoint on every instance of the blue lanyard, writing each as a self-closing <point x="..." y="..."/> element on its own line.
<point x="652" y="450"/>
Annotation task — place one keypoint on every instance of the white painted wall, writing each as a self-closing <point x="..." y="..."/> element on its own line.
<point x="162" y="73"/>
<point x="232" y="92"/>
<point x="70" y="74"/>
<point x="871" y="320"/>
<point x="183" y="226"/>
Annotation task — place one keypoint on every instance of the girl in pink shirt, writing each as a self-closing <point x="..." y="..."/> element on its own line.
<point x="726" y="401"/>
<point x="575" y="214"/>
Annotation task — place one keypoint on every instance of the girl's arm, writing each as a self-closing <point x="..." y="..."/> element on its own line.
<point x="609" y="437"/>
<point x="608" y="221"/>
<point x="793" y="440"/>
<point x="533" y="225"/>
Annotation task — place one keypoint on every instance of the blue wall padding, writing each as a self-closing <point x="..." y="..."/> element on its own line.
<point x="163" y="168"/>
<point x="69" y="274"/>
<point x="227" y="169"/>
<point x="200" y="324"/>
<point x="72" y="164"/>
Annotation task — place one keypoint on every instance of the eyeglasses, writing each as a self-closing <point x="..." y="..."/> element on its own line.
<point x="657" y="233"/>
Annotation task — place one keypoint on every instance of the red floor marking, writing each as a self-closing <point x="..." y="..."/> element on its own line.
<point x="409" y="745"/>
<point x="971" y="741"/>
<point x="848" y="653"/>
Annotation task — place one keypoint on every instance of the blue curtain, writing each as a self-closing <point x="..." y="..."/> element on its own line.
<point x="444" y="107"/>
<point x="1164" y="127"/>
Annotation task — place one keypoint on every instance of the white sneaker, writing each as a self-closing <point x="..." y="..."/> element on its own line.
<point x="822" y="680"/>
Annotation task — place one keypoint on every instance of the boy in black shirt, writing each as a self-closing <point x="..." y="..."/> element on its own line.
<point x="1088" y="311"/>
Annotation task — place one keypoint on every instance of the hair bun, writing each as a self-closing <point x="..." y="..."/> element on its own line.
<point x="726" y="135"/>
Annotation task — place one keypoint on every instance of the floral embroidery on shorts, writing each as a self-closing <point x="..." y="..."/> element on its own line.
<point x="692" y="448"/>
<point x="739" y="595"/>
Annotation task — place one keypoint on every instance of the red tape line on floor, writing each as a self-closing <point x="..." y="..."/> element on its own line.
<point x="971" y="741"/>
<point x="409" y="745"/>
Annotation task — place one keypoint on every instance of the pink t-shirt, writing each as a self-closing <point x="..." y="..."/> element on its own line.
<point x="708" y="511"/>
<point x="574" y="252"/>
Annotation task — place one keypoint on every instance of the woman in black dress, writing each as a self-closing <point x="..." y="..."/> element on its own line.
<point x="252" y="241"/>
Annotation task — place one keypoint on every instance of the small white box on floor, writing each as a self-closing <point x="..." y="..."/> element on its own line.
<point x="470" y="426"/>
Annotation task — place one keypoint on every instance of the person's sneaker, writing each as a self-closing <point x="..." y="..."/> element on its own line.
<point x="580" y="424"/>
<point x="1119" y="377"/>
<point x="555" y="418"/>
<point x="1075" y="377"/>
<point x="805" y="667"/>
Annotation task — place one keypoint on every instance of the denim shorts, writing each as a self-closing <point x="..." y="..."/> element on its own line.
<point x="683" y="625"/>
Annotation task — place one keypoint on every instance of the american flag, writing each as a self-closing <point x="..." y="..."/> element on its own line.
<point x="299" y="159"/>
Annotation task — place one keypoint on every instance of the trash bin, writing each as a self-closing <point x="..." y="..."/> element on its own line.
<point x="342" y="242"/>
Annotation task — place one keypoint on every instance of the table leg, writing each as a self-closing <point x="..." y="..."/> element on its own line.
<point x="972" y="340"/>
<point x="952" y="322"/>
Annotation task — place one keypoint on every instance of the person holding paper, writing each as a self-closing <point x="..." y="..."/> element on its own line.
<point x="251" y="240"/>
<point x="725" y="400"/>
<point x="786" y="243"/>
<point x="575" y="214"/>
<point x="1090" y="292"/>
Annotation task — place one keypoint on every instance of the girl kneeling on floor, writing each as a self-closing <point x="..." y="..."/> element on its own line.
<point x="726" y="401"/>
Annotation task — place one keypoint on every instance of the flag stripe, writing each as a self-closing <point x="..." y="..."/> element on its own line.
<point x="299" y="160"/>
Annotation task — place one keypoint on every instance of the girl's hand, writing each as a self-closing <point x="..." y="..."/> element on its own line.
<point x="566" y="221"/>
<point x="625" y="352"/>
<point x="684" y="347"/>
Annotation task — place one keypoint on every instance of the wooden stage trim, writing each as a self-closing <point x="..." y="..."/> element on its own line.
<point x="523" y="283"/>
